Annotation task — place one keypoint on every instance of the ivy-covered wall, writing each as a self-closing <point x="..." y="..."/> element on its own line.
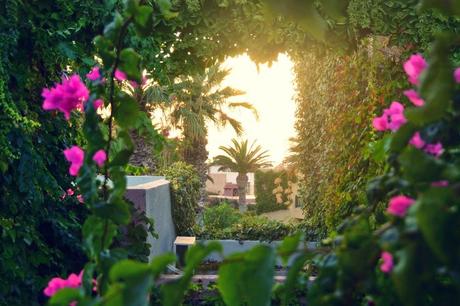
<point x="338" y="94"/>
<point x="38" y="230"/>
<point x="336" y="98"/>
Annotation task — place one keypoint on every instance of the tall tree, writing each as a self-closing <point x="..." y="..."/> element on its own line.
<point x="197" y="100"/>
<point x="150" y="96"/>
<point x="243" y="159"/>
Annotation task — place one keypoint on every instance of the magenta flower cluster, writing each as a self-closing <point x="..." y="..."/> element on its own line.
<point x="66" y="97"/>
<point x="57" y="283"/>
<point x="392" y="119"/>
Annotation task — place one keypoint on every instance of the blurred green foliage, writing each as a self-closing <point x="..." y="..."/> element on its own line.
<point x="185" y="193"/>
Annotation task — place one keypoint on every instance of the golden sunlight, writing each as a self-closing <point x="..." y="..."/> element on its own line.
<point x="271" y="92"/>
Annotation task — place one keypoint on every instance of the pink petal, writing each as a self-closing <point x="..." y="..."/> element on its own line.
<point x="457" y="75"/>
<point x="414" y="67"/>
<point x="100" y="157"/>
<point x="387" y="262"/>
<point x="120" y="75"/>
<point x="75" y="155"/>
<point x="434" y="149"/>
<point x="417" y="141"/>
<point x="399" y="205"/>
<point x="440" y="184"/>
<point x="380" y="123"/>
<point x="94" y="74"/>
<point x="98" y="103"/>
<point x="413" y="96"/>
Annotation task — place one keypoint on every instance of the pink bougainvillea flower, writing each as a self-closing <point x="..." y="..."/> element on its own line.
<point x="434" y="149"/>
<point x="396" y="114"/>
<point x="94" y="74"/>
<point x="57" y="283"/>
<point x="70" y="192"/>
<point x="457" y="75"/>
<point x="399" y="205"/>
<point x="120" y="75"/>
<point x="75" y="155"/>
<point x="392" y="119"/>
<point x="443" y="183"/>
<point x="98" y="103"/>
<point x="414" y="97"/>
<point x="67" y="96"/>
<point x="417" y="141"/>
<point x="387" y="262"/>
<point x="380" y="123"/>
<point x="80" y="199"/>
<point x="414" y="67"/>
<point x="100" y="157"/>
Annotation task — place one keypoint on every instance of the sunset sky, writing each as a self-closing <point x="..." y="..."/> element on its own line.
<point x="271" y="91"/>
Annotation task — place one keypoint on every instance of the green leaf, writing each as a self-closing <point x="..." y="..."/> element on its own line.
<point x="122" y="149"/>
<point x="105" y="49"/>
<point x="143" y="20"/>
<point x="65" y="296"/>
<point x="247" y="278"/>
<point x="287" y="289"/>
<point x="166" y="9"/>
<point x="406" y="276"/>
<point x="427" y="169"/>
<point x="401" y="138"/>
<point x="87" y="281"/>
<point x="437" y="222"/>
<point x="112" y="30"/>
<point x="126" y="111"/>
<point x="335" y="9"/>
<point x="117" y="211"/>
<point x="160" y="262"/>
<point x="98" y="234"/>
<point x="128" y="269"/>
<point x="130" y="64"/>
<point x="379" y="149"/>
<point x="304" y="13"/>
<point x="137" y="279"/>
<point x="289" y="246"/>
<point x="173" y="292"/>
<point x="449" y="7"/>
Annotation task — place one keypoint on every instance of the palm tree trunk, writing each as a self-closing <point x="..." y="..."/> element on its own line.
<point x="143" y="155"/>
<point x="242" y="182"/>
<point x="195" y="153"/>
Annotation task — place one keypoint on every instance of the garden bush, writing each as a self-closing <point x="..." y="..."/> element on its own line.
<point x="220" y="217"/>
<point x="185" y="193"/>
<point x="224" y="222"/>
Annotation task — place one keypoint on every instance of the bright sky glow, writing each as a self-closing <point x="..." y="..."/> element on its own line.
<point x="271" y="91"/>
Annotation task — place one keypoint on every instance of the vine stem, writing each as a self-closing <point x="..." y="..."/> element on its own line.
<point x="118" y="49"/>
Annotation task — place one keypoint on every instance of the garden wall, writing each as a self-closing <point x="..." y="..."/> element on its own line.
<point x="230" y="247"/>
<point x="151" y="194"/>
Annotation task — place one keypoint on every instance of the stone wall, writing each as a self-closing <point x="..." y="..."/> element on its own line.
<point x="152" y="194"/>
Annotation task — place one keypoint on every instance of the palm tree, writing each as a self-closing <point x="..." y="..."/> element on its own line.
<point x="149" y="95"/>
<point x="242" y="159"/>
<point x="196" y="101"/>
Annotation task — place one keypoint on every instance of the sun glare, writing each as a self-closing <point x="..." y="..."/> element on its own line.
<point x="271" y="91"/>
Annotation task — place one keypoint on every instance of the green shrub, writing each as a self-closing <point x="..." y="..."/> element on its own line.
<point x="185" y="193"/>
<point x="220" y="217"/>
<point x="224" y="222"/>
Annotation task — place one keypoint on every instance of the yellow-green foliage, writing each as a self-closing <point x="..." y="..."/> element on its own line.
<point x="337" y="96"/>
